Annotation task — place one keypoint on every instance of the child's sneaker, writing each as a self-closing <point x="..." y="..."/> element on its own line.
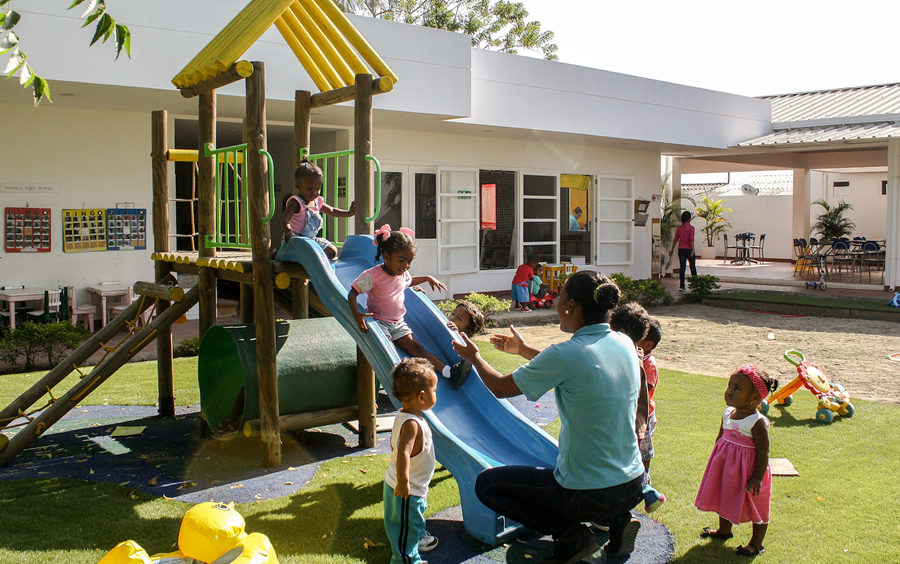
<point x="428" y="542"/>
<point x="459" y="372"/>
<point x="652" y="499"/>
<point x="525" y="309"/>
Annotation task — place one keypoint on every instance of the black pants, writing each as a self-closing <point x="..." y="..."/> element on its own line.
<point x="683" y="256"/>
<point x="532" y="497"/>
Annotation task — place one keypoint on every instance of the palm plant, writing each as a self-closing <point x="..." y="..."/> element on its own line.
<point x="833" y="223"/>
<point x="669" y="212"/>
<point x="713" y="211"/>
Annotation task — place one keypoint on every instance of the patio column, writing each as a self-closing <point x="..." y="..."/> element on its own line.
<point x="892" y="237"/>
<point x="800" y="216"/>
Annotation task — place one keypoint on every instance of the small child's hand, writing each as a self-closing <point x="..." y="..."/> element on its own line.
<point x="435" y="283"/>
<point x="418" y="289"/>
<point x="452" y="326"/>
<point x="402" y="490"/>
<point x="753" y="486"/>
<point x="352" y="208"/>
<point x="361" y="320"/>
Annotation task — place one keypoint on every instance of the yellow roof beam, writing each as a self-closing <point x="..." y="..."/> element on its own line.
<point x="356" y="39"/>
<point x="337" y="40"/>
<point x="299" y="30"/>
<point x="314" y="73"/>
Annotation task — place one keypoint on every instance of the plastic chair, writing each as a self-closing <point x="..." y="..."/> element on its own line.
<point x="759" y="248"/>
<point x="841" y="257"/>
<point x="873" y="256"/>
<point x="86" y="312"/>
<point x="735" y="247"/>
<point x="50" y="311"/>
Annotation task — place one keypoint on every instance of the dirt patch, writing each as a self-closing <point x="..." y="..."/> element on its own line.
<point x="715" y="341"/>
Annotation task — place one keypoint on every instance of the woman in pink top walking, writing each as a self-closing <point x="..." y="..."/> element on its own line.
<point x="386" y="285"/>
<point x="684" y="238"/>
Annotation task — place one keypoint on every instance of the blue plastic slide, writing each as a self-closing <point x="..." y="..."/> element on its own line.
<point x="472" y="429"/>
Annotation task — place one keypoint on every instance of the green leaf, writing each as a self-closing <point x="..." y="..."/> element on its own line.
<point x="9" y="42"/>
<point x="9" y="21"/>
<point x="92" y="7"/>
<point x="94" y="15"/>
<point x="103" y="27"/>
<point x="25" y="76"/>
<point x="75" y="3"/>
<point x="123" y="39"/>
<point x="3" y="3"/>
<point x="41" y="89"/>
<point x="109" y="29"/>
<point x="16" y="60"/>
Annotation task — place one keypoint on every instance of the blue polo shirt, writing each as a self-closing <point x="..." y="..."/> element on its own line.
<point x="595" y="377"/>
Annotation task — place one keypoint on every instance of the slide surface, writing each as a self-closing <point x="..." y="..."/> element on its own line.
<point x="472" y="429"/>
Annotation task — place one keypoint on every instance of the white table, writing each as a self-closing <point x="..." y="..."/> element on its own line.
<point x="12" y="296"/>
<point x="105" y="291"/>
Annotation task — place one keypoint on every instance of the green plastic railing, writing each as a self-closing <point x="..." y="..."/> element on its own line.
<point x="232" y="218"/>
<point x="339" y="158"/>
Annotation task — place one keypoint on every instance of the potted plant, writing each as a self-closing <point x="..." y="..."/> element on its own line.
<point x="833" y="223"/>
<point x="712" y="212"/>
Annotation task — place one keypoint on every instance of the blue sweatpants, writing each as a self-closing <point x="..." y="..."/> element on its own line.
<point x="404" y="522"/>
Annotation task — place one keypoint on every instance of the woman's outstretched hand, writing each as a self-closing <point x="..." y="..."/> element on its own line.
<point x="467" y="349"/>
<point x="511" y="344"/>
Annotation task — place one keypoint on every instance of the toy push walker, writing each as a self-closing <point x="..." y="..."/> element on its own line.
<point x="832" y="397"/>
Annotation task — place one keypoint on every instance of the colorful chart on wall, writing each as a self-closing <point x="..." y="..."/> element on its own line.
<point x="126" y="229"/>
<point x="84" y="230"/>
<point x="27" y="230"/>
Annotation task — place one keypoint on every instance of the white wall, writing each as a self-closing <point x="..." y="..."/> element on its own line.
<point x="94" y="159"/>
<point x="771" y="215"/>
<point x="869" y="206"/>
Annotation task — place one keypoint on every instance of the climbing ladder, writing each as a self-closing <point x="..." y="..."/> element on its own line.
<point x="37" y="421"/>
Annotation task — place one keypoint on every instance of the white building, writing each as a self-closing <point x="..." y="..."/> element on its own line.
<point x="549" y="136"/>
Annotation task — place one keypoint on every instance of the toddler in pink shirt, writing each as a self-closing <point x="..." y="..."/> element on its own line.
<point x="385" y="285"/>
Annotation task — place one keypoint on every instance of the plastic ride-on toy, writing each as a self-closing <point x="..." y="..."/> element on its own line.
<point x="833" y="399"/>
<point x="545" y="302"/>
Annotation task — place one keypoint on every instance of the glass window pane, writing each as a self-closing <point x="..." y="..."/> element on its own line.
<point x="538" y="209"/>
<point x="497" y="249"/>
<point x="458" y="233"/>
<point x="391" y="199"/>
<point x="613" y="252"/>
<point x="543" y="253"/>
<point x="539" y="185"/>
<point x="458" y="258"/>
<point x="426" y="205"/>
<point x="543" y="231"/>
<point x="458" y="207"/>
<point x="614" y="209"/>
<point x="614" y="187"/>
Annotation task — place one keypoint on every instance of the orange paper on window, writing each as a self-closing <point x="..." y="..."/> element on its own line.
<point x="489" y="206"/>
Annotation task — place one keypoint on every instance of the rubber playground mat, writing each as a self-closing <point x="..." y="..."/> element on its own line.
<point x="132" y="447"/>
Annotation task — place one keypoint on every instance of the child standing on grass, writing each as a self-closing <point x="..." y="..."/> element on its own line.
<point x="632" y="319"/>
<point x="647" y="345"/>
<point x="737" y="483"/>
<point x="412" y="461"/>
<point x="520" y="283"/>
<point x="386" y="285"/>
<point x="303" y="212"/>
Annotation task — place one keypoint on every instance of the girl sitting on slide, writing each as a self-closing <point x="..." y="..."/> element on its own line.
<point x="385" y="285"/>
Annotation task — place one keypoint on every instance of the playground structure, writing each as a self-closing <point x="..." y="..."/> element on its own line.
<point x="235" y="195"/>
<point x="833" y="399"/>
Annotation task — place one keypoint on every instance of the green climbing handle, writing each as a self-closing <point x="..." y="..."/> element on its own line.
<point x="268" y="217"/>
<point x="377" y="189"/>
<point x="793" y="352"/>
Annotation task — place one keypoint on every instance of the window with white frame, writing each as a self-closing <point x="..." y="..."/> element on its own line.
<point x="539" y="218"/>
<point x="615" y="203"/>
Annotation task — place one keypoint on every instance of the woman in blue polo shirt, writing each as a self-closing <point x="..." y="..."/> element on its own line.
<point x="598" y="474"/>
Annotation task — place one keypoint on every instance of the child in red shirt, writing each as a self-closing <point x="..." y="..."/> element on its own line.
<point x="520" y="284"/>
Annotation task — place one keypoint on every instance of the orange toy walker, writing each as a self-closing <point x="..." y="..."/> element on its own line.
<point x="833" y="399"/>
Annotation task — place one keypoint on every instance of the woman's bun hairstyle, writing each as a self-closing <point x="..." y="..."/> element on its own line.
<point x="594" y="293"/>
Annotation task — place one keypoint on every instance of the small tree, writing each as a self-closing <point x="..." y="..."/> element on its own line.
<point x="833" y="223"/>
<point x="713" y="212"/>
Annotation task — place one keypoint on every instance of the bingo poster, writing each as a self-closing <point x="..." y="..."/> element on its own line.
<point x="84" y="230"/>
<point x="27" y="230"/>
<point x="126" y="229"/>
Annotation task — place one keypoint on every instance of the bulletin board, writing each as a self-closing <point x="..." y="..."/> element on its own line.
<point x="84" y="230"/>
<point x="126" y="229"/>
<point x="27" y="230"/>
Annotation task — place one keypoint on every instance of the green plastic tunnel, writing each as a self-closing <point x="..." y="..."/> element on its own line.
<point x="316" y="362"/>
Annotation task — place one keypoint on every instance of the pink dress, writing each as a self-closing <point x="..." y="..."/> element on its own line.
<point x="728" y="470"/>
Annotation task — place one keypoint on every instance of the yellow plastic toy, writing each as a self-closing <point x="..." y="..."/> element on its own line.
<point x="833" y="399"/>
<point x="210" y="532"/>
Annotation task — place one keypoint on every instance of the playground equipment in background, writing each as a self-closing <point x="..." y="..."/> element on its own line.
<point x="833" y="399"/>
<point x="316" y="362"/>
<point x="210" y="532"/>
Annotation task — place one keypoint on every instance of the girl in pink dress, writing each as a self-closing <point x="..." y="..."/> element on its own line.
<point x="737" y="483"/>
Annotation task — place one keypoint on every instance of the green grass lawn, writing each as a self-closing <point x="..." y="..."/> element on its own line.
<point x="840" y="508"/>
<point x="816" y="300"/>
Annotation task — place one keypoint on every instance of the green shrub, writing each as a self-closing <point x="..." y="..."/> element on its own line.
<point x="702" y="286"/>
<point x="489" y="305"/>
<point x="30" y="339"/>
<point x="644" y="292"/>
<point x="187" y="347"/>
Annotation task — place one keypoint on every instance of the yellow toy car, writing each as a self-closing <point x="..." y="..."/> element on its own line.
<point x="833" y="399"/>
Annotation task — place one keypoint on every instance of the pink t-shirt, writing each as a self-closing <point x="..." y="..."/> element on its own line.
<point x="685" y="236"/>
<point x="298" y="220"/>
<point x="385" y="293"/>
<point x="652" y="374"/>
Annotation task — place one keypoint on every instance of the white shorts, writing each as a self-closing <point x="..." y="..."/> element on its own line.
<point x="394" y="329"/>
<point x="646" y="444"/>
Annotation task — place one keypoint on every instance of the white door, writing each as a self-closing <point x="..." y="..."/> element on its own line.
<point x="457" y="212"/>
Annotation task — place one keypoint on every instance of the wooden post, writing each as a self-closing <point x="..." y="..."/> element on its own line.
<point x="207" y="196"/>
<point x="263" y="290"/>
<point x="300" y="299"/>
<point x="362" y="146"/>
<point x="246" y="304"/>
<point x="365" y="398"/>
<point x="160" y="170"/>
<point x="302" y="123"/>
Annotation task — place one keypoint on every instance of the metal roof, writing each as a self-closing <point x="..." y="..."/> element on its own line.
<point x="836" y="105"/>
<point x="827" y="134"/>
